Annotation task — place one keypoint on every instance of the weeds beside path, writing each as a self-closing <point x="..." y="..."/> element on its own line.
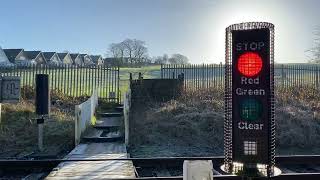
<point x="19" y="129"/>
<point x="192" y="125"/>
<point x="18" y="132"/>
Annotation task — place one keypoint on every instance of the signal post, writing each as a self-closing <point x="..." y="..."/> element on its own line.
<point x="249" y="100"/>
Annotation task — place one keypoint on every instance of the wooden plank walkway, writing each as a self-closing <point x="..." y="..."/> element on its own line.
<point x="108" y="122"/>
<point x="95" y="169"/>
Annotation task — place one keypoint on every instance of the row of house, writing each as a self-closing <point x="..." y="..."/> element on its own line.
<point x="22" y="57"/>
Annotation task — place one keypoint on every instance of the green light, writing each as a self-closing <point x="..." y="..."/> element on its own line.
<point x="250" y="109"/>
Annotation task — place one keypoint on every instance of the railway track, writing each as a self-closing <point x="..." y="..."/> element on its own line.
<point x="293" y="167"/>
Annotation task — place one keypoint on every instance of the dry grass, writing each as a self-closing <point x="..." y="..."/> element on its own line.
<point x="183" y="127"/>
<point x="18" y="129"/>
<point x="298" y="131"/>
<point x="193" y="124"/>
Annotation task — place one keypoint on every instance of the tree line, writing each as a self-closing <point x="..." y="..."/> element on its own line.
<point x="315" y="50"/>
<point x="134" y="52"/>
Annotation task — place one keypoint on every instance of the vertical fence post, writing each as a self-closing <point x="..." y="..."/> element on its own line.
<point x="74" y="81"/>
<point x="87" y="80"/>
<point x="92" y="79"/>
<point x="64" y="78"/>
<point x="317" y="77"/>
<point x="118" y="85"/>
<point x="202" y="78"/>
<point x="105" y="80"/>
<point x="109" y="83"/>
<point x="78" y="85"/>
<point x="161" y="71"/>
<point x="112" y="83"/>
<point x="95" y="78"/>
<point x="101" y="80"/>
<point x="282" y="76"/>
<point x="67" y="78"/>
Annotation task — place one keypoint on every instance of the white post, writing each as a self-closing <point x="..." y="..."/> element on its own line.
<point x="77" y="130"/>
<point x="126" y="119"/>
<point x="197" y="169"/>
<point x="126" y="113"/>
<point x="40" y="122"/>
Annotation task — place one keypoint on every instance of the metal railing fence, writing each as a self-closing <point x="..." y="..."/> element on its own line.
<point x="72" y="80"/>
<point x="213" y="75"/>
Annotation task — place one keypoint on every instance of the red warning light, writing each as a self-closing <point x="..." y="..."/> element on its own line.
<point x="249" y="64"/>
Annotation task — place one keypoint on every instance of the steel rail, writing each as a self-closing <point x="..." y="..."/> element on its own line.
<point x="291" y="176"/>
<point x="48" y="164"/>
<point x="288" y="176"/>
<point x="287" y="159"/>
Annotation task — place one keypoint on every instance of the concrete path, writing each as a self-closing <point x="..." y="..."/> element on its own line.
<point x="95" y="169"/>
<point x="103" y="141"/>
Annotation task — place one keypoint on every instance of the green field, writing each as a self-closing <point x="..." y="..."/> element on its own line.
<point x="147" y="72"/>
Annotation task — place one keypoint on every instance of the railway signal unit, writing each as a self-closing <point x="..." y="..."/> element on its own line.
<point x="249" y="99"/>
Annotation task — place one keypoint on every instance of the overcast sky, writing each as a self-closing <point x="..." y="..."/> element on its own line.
<point x="195" y="28"/>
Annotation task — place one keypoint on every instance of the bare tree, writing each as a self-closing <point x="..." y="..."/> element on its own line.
<point x="165" y="59"/>
<point x="128" y="44"/>
<point x="178" y="59"/>
<point x="315" y="50"/>
<point x="135" y="51"/>
<point x="139" y="51"/>
<point x="160" y="59"/>
<point x="116" y="50"/>
<point x="157" y="60"/>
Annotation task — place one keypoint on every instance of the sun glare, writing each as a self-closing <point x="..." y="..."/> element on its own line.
<point x="232" y="14"/>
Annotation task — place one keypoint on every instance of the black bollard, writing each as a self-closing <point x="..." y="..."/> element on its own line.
<point x="42" y="104"/>
<point x="42" y="94"/>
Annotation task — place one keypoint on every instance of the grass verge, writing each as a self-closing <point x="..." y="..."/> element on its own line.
<point x="192" y="125"/>
<point x="19" y="132"/>
<point x="19" y="129"/>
